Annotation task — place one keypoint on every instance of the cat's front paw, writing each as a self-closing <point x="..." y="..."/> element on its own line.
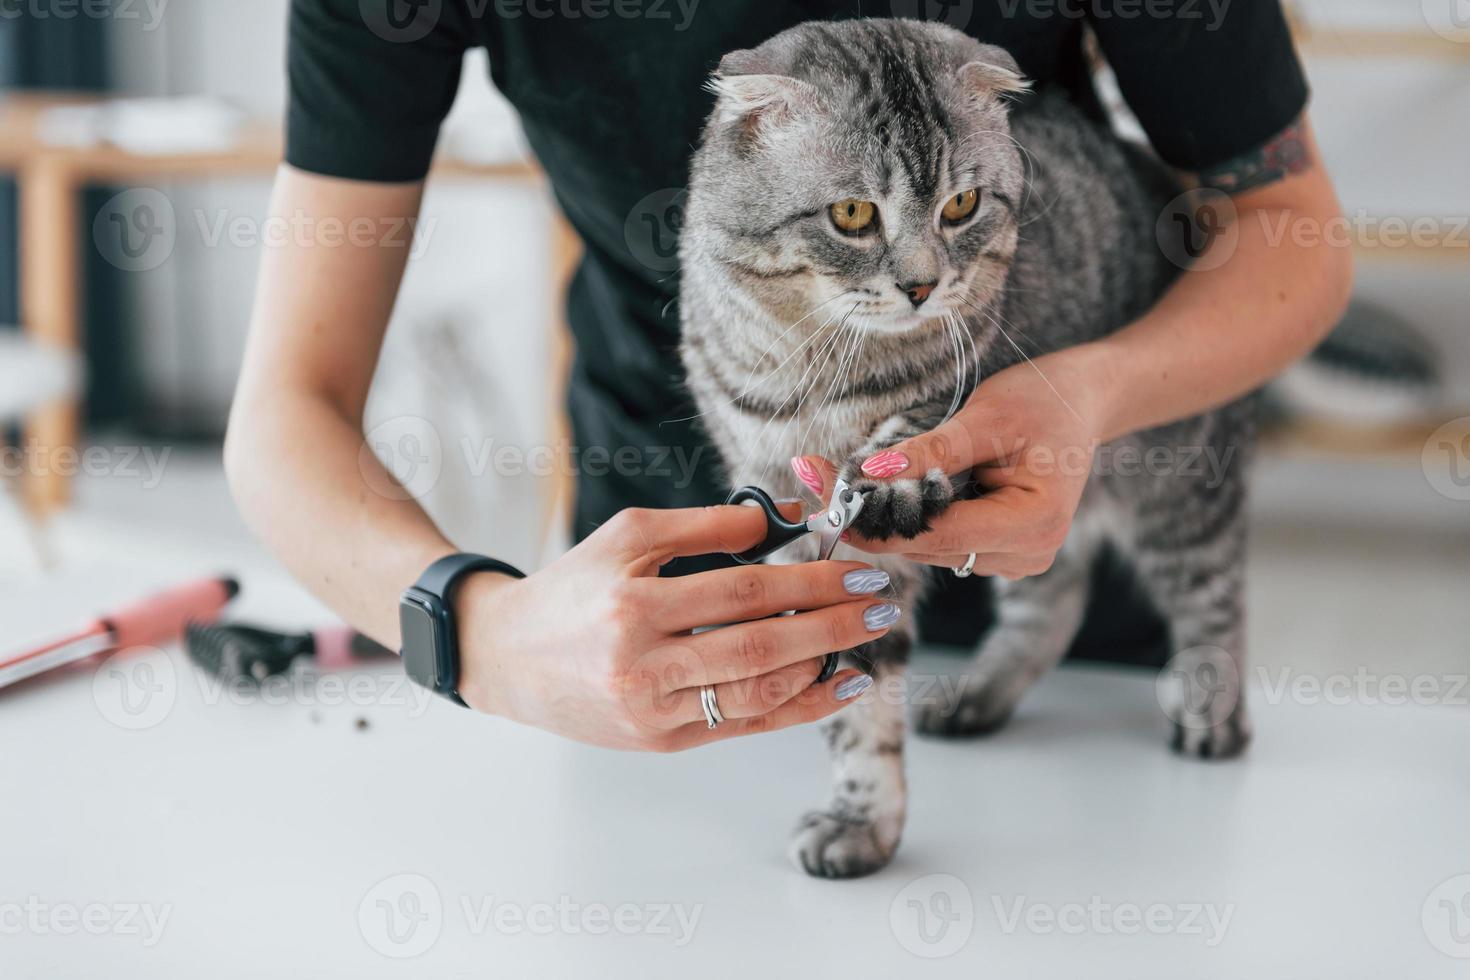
<point x="898" y="508"/>
<point x="1224" y="740"/>
<point x="827" y="845"/>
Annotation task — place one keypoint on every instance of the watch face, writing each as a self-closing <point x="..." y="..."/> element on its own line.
<point x="420" y="630"/>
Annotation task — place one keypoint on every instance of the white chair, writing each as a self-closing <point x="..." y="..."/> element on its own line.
<point x="31" y="376"/>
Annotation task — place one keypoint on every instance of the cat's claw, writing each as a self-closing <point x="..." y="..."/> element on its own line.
<point x="898" y="508"/>
<point x="829" y="846"/>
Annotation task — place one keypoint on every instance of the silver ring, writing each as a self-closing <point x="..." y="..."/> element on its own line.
<point x="710" y="706"/>
<point x="965" y="570"/>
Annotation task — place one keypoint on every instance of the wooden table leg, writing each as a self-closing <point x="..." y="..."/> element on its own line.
<point x="50" y="308"/>
<point x="566" y="252"/>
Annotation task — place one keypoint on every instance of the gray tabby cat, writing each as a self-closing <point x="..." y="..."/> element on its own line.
<point x="874" y="206"/>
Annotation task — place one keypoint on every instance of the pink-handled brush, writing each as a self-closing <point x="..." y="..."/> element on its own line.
<point x="152" y="621"/>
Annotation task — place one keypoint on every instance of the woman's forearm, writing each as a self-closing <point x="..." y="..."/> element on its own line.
<point x="1220" y="333"/>
<point x="313" y="496"/>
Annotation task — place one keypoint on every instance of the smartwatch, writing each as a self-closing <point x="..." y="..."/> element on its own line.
<point x="426" y="619"/>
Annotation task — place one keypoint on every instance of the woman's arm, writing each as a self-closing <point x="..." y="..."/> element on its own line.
<point x="596" y="646"/>
<point x="1029" y="432"/>
<point x="1220" y="333"/>
<point x="293" y="450"/>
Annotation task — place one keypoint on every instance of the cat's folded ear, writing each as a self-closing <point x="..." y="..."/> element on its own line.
<point x="991" y="73"/>
<point x="752" y="92"/>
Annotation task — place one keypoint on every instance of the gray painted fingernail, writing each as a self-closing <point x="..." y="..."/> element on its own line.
<point x="853" y="686"/>
<point x="865" y="581"/>
<point x="881" y="616"/>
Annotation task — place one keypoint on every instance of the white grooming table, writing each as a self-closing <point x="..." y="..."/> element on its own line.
<point x="316" y="837"/>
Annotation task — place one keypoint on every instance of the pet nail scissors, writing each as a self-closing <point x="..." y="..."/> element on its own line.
<point x="828" y="524"/>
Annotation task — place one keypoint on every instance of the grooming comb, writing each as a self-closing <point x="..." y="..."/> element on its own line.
<point x="233" y="650"/>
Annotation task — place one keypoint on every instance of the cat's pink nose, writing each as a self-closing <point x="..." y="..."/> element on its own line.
<point x="917" y="291"/>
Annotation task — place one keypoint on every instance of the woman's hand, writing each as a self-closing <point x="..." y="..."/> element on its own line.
<point x="598" y="648"/>
<point x="1027" y="435"/>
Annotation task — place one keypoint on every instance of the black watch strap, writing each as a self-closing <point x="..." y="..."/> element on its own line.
<point x="439" y="580"/>
<point x="440" y="577"/>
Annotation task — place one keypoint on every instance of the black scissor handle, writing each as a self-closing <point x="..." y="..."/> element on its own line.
<point x="779" y="531"/>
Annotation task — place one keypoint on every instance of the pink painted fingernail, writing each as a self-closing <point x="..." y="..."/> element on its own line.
<point x="888" y="463"/>
<point x="807" y="474"/>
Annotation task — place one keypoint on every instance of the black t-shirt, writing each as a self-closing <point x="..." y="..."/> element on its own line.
<point x="611" y="96"/>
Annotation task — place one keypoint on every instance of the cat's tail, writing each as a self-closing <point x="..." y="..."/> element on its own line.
<point x="1375" y="368"/>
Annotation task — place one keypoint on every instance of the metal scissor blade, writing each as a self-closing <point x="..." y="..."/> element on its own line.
<point x="837" y="518"/>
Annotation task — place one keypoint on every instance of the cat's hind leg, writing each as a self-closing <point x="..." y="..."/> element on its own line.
<point x="858" y="830"/>
<point x="1198" y="583"/>
<point x="1036" y="620"/>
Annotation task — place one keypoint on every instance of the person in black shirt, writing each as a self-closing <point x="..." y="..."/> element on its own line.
<point x="611" y="96"/>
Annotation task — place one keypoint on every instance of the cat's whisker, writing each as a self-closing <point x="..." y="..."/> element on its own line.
<point x="1042" y="374"/>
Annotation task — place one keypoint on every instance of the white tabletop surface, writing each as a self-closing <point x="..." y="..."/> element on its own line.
<point x="249" y="837"/>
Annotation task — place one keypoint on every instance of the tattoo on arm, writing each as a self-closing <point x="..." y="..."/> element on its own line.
<point x="1282" y="156"/>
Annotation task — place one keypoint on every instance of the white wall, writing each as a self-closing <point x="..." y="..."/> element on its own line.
<point x="476" y="287"/>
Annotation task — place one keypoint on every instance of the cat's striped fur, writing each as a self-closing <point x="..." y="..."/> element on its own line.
<point x="800" y="340"/>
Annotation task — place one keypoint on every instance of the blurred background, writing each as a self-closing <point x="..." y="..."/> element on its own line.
<point x="137" y="144"/>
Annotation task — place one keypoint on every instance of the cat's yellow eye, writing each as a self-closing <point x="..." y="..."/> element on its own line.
<point x="853" y="217"/>
<point x="960" y="207"/>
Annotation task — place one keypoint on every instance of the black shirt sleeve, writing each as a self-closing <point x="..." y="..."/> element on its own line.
<point x="1207" y="84"/>
<point x="370" y="82"/>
